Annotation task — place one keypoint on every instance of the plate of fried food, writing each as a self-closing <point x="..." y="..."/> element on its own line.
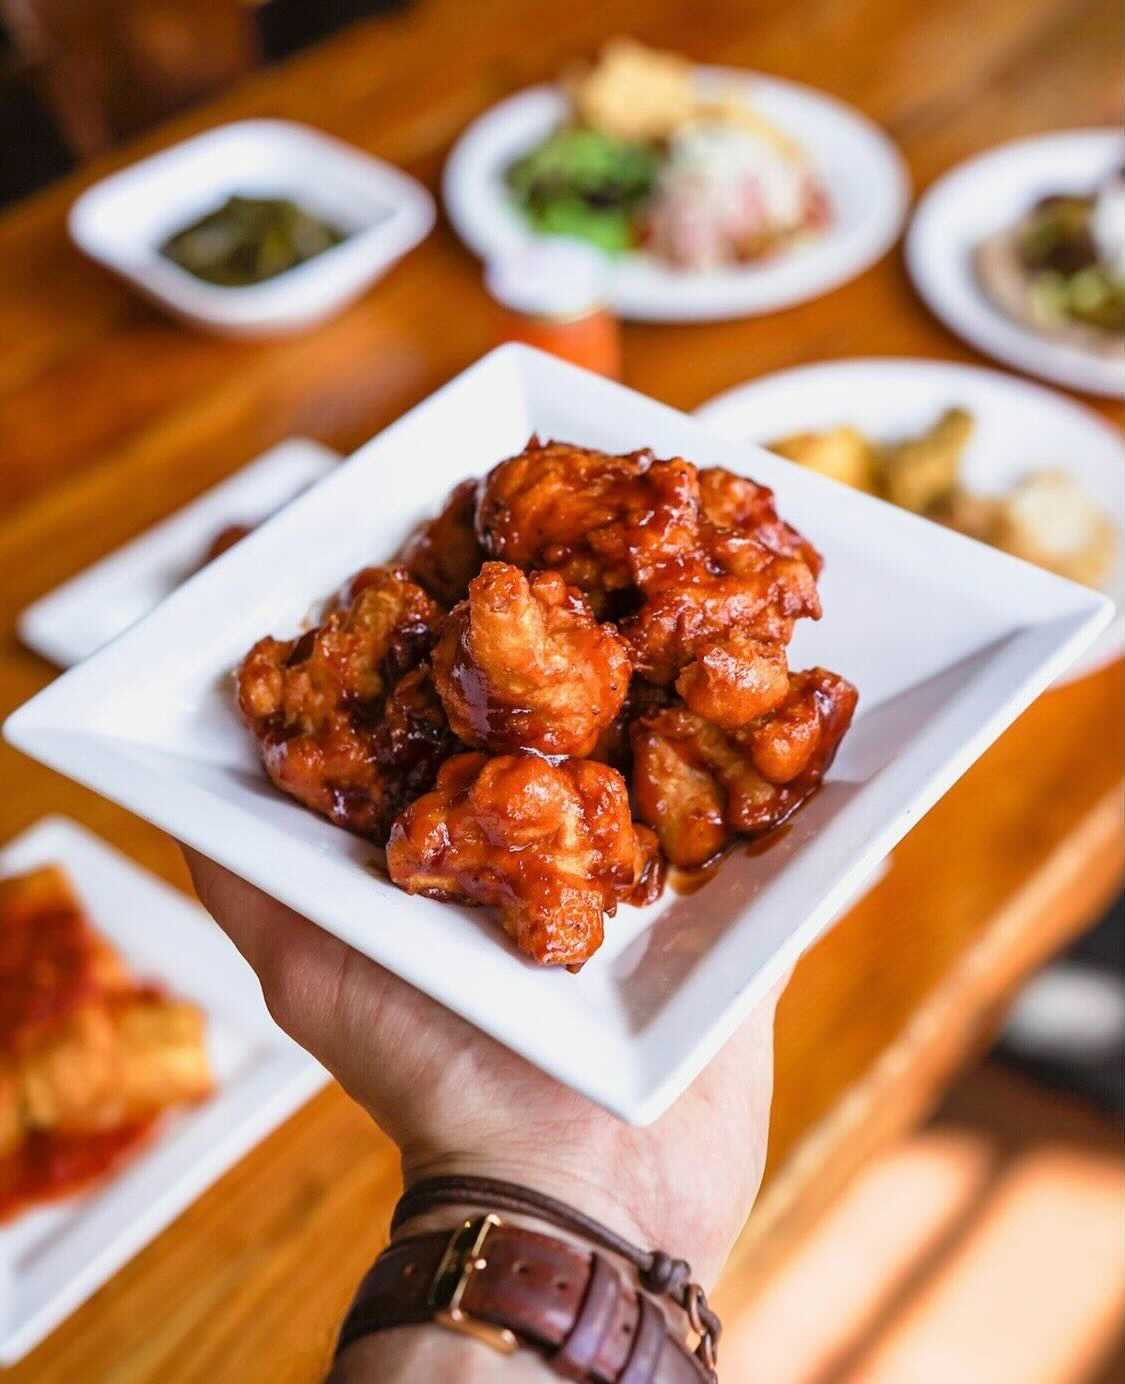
<point x="716" y="193"/>
<point x="137" y="1063"/>
<point x="1000" y="460"/>
<point x="95" y="605"/>
<point x="573" y="714"/>
<point x="1021" y="251"/>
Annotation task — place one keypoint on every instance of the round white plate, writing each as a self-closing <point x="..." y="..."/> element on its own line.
<point x="862" y="171"/>
<point x="1020" y="427"/>
<point x="988" y="194"/>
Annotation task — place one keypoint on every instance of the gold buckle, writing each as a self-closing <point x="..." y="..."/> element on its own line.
<point x="462" y="1258"/>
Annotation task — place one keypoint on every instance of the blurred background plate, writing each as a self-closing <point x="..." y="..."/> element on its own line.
<point x="988" y="194"/>
<point x="1019" y="427"/>
<point x="863" y="172"/>
<point x="75" y="619"/>
<point x="52" y="1258"/>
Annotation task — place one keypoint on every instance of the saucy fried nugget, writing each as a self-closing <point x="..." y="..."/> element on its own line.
<point x="736" y="502"/>
<point x="443" y="555"/>
<point x="551" y="846"/>
<point x="604" y="522"/>
<point x="719" y="637"/>
<point x="337" y="726"/>
<point x="523" y="665"/>
<point x="698" y="786"/>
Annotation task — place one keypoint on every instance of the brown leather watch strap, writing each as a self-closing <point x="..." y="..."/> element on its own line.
<point x="505" y="1284"/>
<point x="659" y="1273"/>
<point x="578" y="1354"/>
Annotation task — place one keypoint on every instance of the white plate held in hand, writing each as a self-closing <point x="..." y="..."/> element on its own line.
<point x="946" y="639"/>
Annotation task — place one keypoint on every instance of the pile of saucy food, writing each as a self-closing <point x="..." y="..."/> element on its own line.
<point x="89" y="1058"/>
<point x="250" y="239"/>
<point x="572" y="676"/>
<point x="644" y="161"/>
<point x="1061" y="268"/>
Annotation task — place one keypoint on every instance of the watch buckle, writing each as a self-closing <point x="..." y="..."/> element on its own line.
<point x="462" y="1258"/>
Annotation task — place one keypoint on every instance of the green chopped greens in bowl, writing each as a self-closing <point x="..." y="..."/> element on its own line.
<point x="583" y="183"/>
<point x="250" y="239"/>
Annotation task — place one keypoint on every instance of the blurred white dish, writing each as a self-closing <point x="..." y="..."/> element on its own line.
<point x="53" y="1258"/>
<point x="946" y="639"/>
<point x="1020" y="427"/>
<point x="861" y="170"/>
<point x="92" y="608"/>
<point x="123" y="220"/>
<point x="988" y="194"/>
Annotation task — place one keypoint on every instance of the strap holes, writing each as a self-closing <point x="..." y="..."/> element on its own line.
<point x="519" y="1267"/>
<point x="409" y="1270"/>
<point x="560" y="1284"/>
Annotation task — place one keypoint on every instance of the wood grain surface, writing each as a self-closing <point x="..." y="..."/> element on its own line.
<point x="111" y="417"/>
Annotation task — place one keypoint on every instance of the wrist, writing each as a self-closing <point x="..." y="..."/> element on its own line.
<point x="554" y="1177"/>
<point x="608" y="1190"/>
<point x="533" y="1270"/>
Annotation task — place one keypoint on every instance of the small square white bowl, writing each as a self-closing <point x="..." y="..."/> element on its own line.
<point x="53" y="1258"/>
<point x="946" y="639"/>
<point x="123" y="220"/>
<point x="94" y="606"/>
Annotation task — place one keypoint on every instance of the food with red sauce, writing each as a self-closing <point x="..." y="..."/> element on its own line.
<point x="89" y="1058"/>
<point x="579" y="675"/>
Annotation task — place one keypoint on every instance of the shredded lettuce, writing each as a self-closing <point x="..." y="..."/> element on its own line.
<point x="584" y="183"/>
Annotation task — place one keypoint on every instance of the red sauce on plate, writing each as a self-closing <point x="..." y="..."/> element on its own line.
<point x="45" y="969"/>
<point x="49" y="1166"/>
<point x="51" y="962"/>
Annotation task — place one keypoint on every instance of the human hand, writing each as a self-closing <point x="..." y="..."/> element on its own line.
<point x="455" y="1101"/>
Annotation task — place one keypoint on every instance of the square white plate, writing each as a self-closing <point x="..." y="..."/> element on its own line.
<point x="52" y="1259"/>
<point x="123" y="221"/>
<point x="946" y="639"/>
<point x="92" y="608"/>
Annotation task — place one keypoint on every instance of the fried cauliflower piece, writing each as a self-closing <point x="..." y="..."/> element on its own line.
<point x="720" y="637"/>
<point x="708" y="577"/>
<point x="1048" y="520"/>
<point x="921" y="472"/>
<point x="523" y="665"/>
<point x="604" y="522"/>
<point x="346" y="722"/>
<point x="443" y="555"/>
<point x="842" y="454"/>
<point x="699" y="786"/>
<point x="736" y="503"/>
<point x="552" y="847"/>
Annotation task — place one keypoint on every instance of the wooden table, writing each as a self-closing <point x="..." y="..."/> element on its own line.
<point x="111" y="417"/>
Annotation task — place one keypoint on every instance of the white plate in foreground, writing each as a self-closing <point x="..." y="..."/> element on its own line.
<point x="990" y="193"/>
<point x="1020" y="427"/>
<point x="92" y="608"/>
<point x="947" y="641"/>
<point x="862" y="171"/>
<point x="53" y="1258"/>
